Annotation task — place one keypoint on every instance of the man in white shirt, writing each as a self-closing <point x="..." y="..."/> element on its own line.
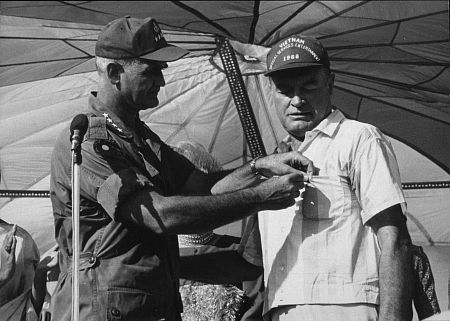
<point x="341" y="252"/>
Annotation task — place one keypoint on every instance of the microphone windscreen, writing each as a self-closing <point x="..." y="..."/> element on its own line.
<point x="80" y="123"/>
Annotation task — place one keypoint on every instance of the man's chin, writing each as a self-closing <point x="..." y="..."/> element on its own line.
<point x="299" y="129"/>
<point x="151" y="104"/>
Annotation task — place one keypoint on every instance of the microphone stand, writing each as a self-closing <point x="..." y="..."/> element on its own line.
<point x="76" y="163"/>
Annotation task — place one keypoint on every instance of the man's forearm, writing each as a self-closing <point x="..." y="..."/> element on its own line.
<point x="241" y="177"/>
<point x="181" y="214"/>
<point x="268" y="166"/>
<point x="395" y="283"/>
<point x="191" y="214"/>
<point x="395" y="267"/>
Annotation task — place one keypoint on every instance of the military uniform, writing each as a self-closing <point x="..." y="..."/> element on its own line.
<point x="126" y="272"/>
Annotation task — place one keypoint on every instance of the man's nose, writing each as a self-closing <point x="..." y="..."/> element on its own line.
<point x="160" y="81"/>
<point x="297" y="101"/>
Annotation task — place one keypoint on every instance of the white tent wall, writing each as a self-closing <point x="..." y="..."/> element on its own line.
<point x="31" y="115"/>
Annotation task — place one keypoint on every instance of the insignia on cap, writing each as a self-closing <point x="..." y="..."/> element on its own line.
<point x="290" y="43"/>
<point x="158" y="33"/>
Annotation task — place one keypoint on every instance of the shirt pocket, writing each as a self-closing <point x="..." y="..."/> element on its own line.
<point x="133" y="305"/>
<point x="324" y="197"/>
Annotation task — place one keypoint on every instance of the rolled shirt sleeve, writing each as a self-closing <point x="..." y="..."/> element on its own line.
<point x="108" y="177"/>
<point x="118" y="187"/>
<point x="376" y="177"/>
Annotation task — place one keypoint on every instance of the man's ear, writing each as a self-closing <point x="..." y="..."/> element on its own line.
<point x="114" y="70"/>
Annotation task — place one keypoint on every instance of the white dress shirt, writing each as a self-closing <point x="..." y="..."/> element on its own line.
<point x="320" y="251"/>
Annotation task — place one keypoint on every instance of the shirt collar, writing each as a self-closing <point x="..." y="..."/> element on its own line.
<point x="113" y="122"/>
<point x="328" y="126"/>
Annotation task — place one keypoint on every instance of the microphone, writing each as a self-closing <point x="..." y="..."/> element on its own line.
<point x="78" y="128"/>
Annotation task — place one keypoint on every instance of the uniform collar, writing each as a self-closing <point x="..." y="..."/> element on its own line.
<point x="113" y="122"/>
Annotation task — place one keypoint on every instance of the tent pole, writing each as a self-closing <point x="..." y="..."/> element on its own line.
<point x="244" y="108"/>
<point x="240" y="97"/>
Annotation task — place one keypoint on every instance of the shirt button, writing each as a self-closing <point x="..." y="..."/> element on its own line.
<point x="115" y="312"/>
<point x="282" y="268"/>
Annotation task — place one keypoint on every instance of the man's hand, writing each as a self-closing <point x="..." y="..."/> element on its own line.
<point x="49" y="260"/>
<point x="269" y="166"/>
<point x="285" y="163"/>
<point x="280" y="191"/>
<point x="8" y="256"/>
<point x="48" y="264"/>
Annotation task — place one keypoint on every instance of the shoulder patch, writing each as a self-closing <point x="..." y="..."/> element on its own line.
<point x="97" y="128"/>
<point x="106" y="148"/>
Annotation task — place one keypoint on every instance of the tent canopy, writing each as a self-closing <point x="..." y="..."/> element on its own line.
<point x="391" y="60"/>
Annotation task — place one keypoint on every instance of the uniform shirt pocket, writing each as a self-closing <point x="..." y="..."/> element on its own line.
<point x="133" y="305"/>
<point x="324" y="197"/>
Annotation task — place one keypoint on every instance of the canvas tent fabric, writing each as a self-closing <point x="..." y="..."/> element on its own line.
<point x="391" y="60"/>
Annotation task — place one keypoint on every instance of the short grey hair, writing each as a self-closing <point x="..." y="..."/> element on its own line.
<point x="101" y="62"/>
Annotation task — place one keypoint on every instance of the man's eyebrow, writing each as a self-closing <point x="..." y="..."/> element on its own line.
<point x="154" y="67"/>
<point x="310" y="81"/>
<point x="281" y="86"/>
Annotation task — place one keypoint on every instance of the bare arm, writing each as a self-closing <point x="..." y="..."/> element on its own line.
<point x="194" y="214"/>
<point x="241" y="194"/>
<point x="268" y="166"/>
<point x="395" y="264"/>
<point x="200" y="183"/>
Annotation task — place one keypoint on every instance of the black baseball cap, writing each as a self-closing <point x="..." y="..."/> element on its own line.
<point x="296" y="51"/>
<point x="127" y="37"/>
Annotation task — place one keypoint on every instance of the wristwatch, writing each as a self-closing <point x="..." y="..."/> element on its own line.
<point x="253" y="166"/>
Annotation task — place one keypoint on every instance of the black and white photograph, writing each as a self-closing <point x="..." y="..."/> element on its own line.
<point x="225" y="160"/>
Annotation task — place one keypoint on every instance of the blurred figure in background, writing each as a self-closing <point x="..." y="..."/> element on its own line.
<point x="22" y="276"/>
